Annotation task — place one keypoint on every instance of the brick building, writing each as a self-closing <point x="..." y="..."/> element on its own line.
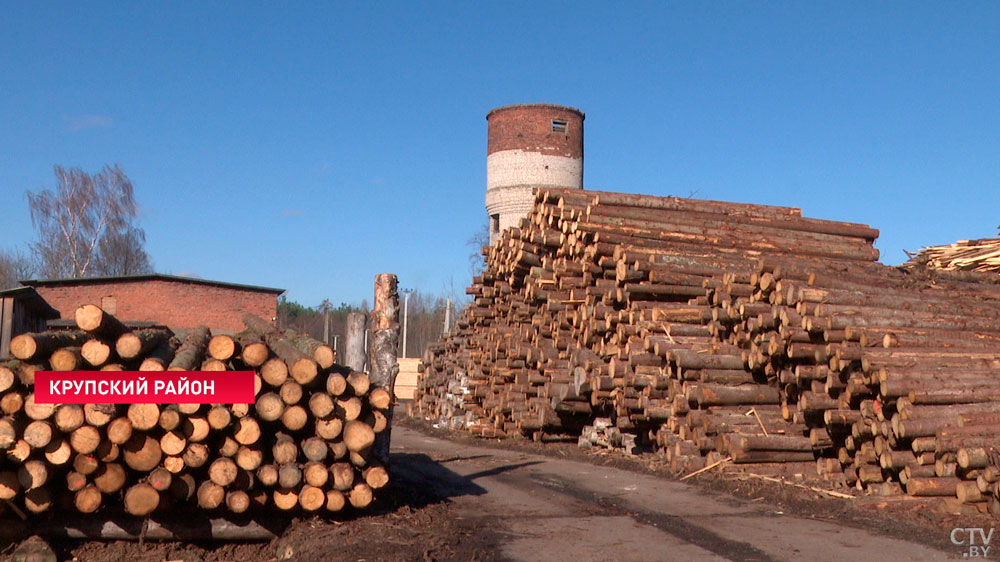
<point x="177" y="302"/>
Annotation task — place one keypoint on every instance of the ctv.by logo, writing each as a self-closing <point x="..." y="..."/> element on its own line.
<point x="975" y="538"/>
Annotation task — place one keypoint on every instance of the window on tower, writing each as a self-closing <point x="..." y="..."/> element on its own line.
<point x="560" y="126"/>
<point x="495" y="223"/>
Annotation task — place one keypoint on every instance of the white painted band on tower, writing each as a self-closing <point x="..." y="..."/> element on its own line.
<point x="521" y="167"/>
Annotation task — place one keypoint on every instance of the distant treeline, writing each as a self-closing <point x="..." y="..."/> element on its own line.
<point x="425" y="320"/>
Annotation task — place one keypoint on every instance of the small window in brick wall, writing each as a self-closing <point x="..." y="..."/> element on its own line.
<point x="560" y="126"/>
<point x="495" y="224"/>
<point x="109" y="304"/>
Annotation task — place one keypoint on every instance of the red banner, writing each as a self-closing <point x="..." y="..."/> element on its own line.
<point x="144" y="387"/>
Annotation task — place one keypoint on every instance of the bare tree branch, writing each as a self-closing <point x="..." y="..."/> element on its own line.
<point x="477" y="261"/>
<point x="15" y="266"/>
<point x="86" y="225"/>
<point x="116" y="253"/>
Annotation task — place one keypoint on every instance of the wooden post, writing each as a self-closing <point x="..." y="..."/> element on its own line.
<point x="447" y="317"/>
<point x="326" y="323"/>
<point x="6" y="325"/>
<point x="354" y="346"/>
<point x="384" y="349"/>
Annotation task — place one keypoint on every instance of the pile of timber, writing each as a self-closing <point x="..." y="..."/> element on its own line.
<point x="896" y="371"/>
<point x="306" y="443"/>
<point x="730" y="333"/>
<point x="964" y="255"/>
<point x="601" y="304"/>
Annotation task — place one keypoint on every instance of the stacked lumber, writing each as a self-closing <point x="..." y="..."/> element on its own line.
<point x="607" y="304"/>
<point x="964" y="255"/>
<point x="304" y="445"/>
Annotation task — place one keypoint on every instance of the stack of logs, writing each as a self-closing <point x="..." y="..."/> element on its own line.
<point x="304" y="445"/>
<point x="721" y="331"/>
<point x="896" y="370"/>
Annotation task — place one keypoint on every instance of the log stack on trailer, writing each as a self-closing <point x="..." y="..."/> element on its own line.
<point x="717" y="331"/>
<point x="305" y="445"/>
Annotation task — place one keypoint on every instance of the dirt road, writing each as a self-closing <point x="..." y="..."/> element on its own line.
<point x="542" y="508"/>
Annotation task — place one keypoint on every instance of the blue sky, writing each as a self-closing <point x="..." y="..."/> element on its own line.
<point x="310" y="146"/>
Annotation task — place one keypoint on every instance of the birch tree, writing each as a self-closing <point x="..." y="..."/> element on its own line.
<point x="86" y="225"/>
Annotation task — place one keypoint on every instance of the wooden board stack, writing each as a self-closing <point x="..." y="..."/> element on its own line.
<point x="304" y="445"/>
<point x="725" y="331"/>
<point x="964" y="255"/>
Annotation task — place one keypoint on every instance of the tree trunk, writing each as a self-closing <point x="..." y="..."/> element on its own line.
<point x="223" y="347"/>
<point x="191" y="353"/>
<point x="138" y="343"/>
<point x="95" y="352"/>
<point x="354" y="344"/>
<point x="384" y="350"/>
<point x="90" y="318"/>
<point x="31" y="346"/>
<point x="141" y="499"/>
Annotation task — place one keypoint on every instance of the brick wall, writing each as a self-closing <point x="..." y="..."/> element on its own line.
<point x="176" y="304"/>
<point x="529" y="127"/>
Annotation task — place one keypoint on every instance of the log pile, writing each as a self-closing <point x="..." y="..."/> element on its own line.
<point x="304" y="445"/>
<point x="896" y="372"/>
<point x="727" y="332"/>
<point x="601" y="304"/>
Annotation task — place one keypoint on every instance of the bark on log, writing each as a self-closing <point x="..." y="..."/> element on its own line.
<point x="321" y="353"/>
<point x="384" y="350"/>
<point x="138" y="343"/>
<point x="191" y="353"/>
<point x="38" y="346"/>
<point x="90" y="318"/>
<point x="302" y="368"/>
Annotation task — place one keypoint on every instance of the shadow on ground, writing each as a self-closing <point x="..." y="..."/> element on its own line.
<point x="420" y="480"/>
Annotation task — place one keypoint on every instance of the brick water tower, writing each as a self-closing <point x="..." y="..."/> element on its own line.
<point x="530" y="146"/>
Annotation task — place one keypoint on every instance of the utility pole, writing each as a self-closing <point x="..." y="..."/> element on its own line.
<point x="325" y="308"/>
<point x="406" y="309"/>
